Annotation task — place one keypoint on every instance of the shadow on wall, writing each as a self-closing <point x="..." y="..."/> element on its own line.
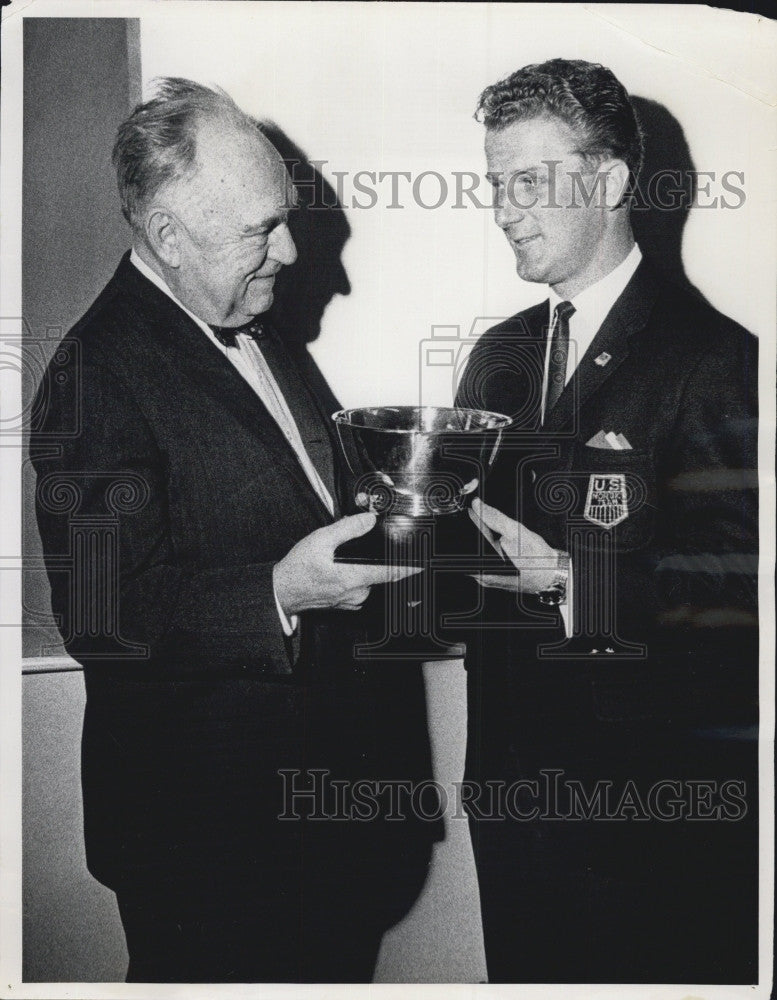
<point x="666" y="189"/>
<point x="320" y="230"/>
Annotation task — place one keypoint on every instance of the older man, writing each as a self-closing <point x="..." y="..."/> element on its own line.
<point x="614" y="705"/>
<point x="224" y="702"/>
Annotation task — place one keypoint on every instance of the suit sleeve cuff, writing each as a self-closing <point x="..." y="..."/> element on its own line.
<point x="567" y="605"/>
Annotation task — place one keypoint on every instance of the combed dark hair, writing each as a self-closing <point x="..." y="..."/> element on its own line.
<point x="587" y="96"/>
<point x="158" y="142"/>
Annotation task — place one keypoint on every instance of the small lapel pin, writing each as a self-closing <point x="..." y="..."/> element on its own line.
<point x="603" y="359"/>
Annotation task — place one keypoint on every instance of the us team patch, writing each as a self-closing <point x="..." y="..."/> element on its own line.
<point x="606" y="503"/>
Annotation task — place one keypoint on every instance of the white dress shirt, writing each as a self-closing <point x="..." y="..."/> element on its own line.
<point x="249" y="361"/>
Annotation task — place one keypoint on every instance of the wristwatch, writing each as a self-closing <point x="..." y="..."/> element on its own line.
<point x="556" y="593"/>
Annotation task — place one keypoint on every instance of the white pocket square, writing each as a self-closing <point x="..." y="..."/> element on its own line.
<point x="610" y="441"/>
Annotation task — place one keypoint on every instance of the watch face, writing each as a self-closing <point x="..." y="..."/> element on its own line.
<point x="555" y="594"/>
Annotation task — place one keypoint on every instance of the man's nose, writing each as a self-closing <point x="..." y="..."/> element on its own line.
<point x="282" y="246"/>
<point x="507" y="211"/>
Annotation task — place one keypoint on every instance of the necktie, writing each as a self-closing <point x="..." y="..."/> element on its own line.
<point x="226" y="334"/>
<point x="559" y="352"/>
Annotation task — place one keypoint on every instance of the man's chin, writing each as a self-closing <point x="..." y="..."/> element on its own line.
<point x="528" y="273"/>
<point x="529" y="268"/>
<point x="259" y="303"/>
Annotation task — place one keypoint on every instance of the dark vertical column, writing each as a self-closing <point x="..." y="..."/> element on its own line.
<point x="81" y="78"/>
<point x="76" y="91"/>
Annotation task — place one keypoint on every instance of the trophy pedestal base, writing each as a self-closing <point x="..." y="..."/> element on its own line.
<point x="420" y="612"/>
<point x="446" y="543"/>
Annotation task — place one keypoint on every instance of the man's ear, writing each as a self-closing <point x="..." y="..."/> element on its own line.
<point x="163" y="234"/>
<point x="616" y="184"/>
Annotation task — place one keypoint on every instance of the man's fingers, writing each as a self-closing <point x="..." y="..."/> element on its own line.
<point x="395" y="573"/>
<point x="494" y="519"/>
<point x="497" y="581"/>
<point x="490" y="536"/>
<point x="369" y="576"/>
<point x="351" y="526"/>
<point x="362" y="575"/>
<point x="354" y="599"/>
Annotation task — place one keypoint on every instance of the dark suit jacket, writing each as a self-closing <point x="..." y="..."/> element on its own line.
<point x="162" y="516"/>
<point x="679" y="571"/>
<point x="671" y="592"/>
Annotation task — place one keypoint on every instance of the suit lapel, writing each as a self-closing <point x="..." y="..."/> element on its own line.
<point x="198" y="359"/>
<point x="627" y="317"/>
<point x="505" y="375"/>
<point x="537" y="322"/>
<point x="325" y="404"/>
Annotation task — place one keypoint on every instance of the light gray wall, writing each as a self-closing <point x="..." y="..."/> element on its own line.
<point x="441" y="939"/>
<point x="71" y="928"/>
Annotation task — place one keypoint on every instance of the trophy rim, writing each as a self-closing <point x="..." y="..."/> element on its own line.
<point x="340" y="417"/>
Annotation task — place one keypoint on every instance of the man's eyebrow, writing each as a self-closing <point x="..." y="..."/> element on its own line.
<point x="495" y="176"/>
<point x="271" y="221"/>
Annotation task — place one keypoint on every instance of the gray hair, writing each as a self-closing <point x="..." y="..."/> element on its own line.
<point x="158" y="142"/>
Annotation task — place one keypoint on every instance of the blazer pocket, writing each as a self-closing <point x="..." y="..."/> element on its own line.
<point x="616" y="493"/>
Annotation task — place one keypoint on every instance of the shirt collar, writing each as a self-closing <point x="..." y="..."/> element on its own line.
<point x="594" y="302"/>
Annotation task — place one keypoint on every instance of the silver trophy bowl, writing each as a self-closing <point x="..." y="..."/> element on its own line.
<point x="417" y="468"/>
